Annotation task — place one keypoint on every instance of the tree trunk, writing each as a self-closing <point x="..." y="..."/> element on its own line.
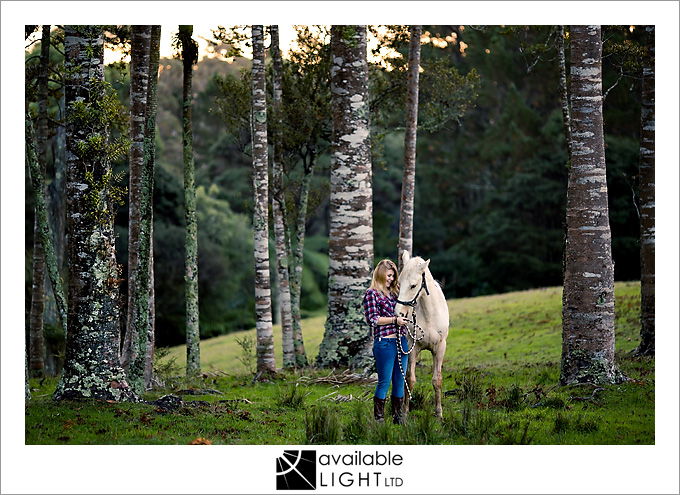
<point x="134" y="346"/>
<point x="346" y="338"/>
<point x="92" y="364"/>
<point x="278" y="210"/>
<point x="38" y="183"/>
<point x="56" y="191"/>
<point x="297" y="255"/>
<point x="588" y="300"/>
<point x="151" y="340"/>
<point x="564" y="95"/>
<point x="409" y="177"/>
<point x="56" y="212"/>
<point x="189" y="57"/>
<point x="150" y="165"/>
<point x="27" y="393"/>
<point x="37" y="352"/>
<point x="263" y="311"/>
<point x="647" y="201"/>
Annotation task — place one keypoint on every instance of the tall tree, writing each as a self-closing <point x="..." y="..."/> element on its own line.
<point x="92" y="362"/>
<point x="56" y="210"/>
<point x="149" y="167"/>
<point x="278" y="210"/>
<point x="189" y="55"/>
<point x="134" y="348"/>
<point x="346" y="338"/>
<point x="139" y="336"/>
<point x="647" y="206"/>
<point x="408" y="184"/>
<point x="306" y="99"/>
<point x="263" y="311"/>
<point x="38" y="183"/>
<point x="588" y="299"/>
<point x="37" y="358"/>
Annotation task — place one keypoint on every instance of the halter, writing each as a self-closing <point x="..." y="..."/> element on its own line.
<point x="412" y="303"/>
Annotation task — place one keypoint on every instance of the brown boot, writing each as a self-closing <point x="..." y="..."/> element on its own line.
<point x="378" y="409"/>
<point x="397" y="405"/>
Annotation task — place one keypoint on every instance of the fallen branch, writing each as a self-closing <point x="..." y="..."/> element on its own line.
<point x="235" y="400"/>
<point x="348" y="398"/>
<point x="325" y="396"/>
<point x="344" y="378"/>
<point x="583" y="399"/>
<point x="215" y="373"/>
<point x="198" y="391"/>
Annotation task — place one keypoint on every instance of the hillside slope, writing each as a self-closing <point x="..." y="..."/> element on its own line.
<point x="512" y="328"/>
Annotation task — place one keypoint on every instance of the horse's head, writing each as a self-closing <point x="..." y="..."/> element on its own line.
<point x="410" y="283"/>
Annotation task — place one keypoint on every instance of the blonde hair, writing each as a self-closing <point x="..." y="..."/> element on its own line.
<point x="379" y="281"/>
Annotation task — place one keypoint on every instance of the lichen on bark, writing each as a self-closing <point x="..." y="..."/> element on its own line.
<point x="92" y="363"/>
<point x="347" y="337"/>
<point x="588" y="345"/>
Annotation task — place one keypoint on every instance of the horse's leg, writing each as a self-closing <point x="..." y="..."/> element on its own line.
<point x="410" y="375"/>
<point x="437" y="360"/>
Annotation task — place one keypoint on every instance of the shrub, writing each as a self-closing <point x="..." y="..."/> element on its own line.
<point x="322" y="426"/>
<point x="422" y="429"/>
<point x="474" y="424"/>
<point x="517" y="433"/>
<point x="291" y="396"/>
<point x="514" y="398"/>
<point x="356" y="430"/>
<point x="247" y="357"/>
<point x="470" y="387"/>
<point x="382" y="433"/>
<point x="420" y="397"/>
<point x="562" y="423"/>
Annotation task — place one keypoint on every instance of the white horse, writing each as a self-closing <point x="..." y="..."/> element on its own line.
<point x="421" y="301"/>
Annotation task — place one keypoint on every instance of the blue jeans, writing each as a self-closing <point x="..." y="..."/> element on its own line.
<point x="387" y="365"/>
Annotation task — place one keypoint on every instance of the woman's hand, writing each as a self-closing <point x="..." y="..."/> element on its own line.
<point x="401" y="321"/>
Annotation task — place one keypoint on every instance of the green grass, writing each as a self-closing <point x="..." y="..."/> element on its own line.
<point x="499" y="381"/>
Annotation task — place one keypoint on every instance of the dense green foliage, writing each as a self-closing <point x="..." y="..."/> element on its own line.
<point x="500" y="387"/>
<point x="490" y="192"/>
<point x="490" y="184"/>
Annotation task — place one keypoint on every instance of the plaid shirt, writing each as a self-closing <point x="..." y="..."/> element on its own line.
<point x="377" y="305"/>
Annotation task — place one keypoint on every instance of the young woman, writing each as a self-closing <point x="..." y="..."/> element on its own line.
<point x="379" y="302"/>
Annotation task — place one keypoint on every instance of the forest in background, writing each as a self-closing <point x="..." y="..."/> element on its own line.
<point x="490" y="194"/>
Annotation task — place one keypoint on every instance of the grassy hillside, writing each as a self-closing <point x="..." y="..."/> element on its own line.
<point x="499" y="387"/>
<point x="501" y="330"/>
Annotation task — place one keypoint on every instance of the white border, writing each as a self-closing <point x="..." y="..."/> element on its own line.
<point x="445" y="469"/>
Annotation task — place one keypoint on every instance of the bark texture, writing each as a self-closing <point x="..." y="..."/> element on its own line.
<point x="27" y="392"/>
<point x="37" y="353"/>
<point x="134" y="348"/>
<point x="56" y="212"/>
<point x="150" y="164"/>
<point x="346" y="338"/>
<point x="92" y="363"/>
<point x="588" y="299"/>
<point x="263" y="305"/>
<point x="189" y="57"/>
<point x="278" y="212"/>
<point x="564" y="93"/>
<point x="408" y="183"/>
<point x="297" y="256"/>
<point x="647" y="200"/>
<point x="38" y="181"/>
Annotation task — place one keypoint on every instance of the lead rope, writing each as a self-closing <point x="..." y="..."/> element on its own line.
<point x="413" y="303"/>
<point x="401" y="348"/>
